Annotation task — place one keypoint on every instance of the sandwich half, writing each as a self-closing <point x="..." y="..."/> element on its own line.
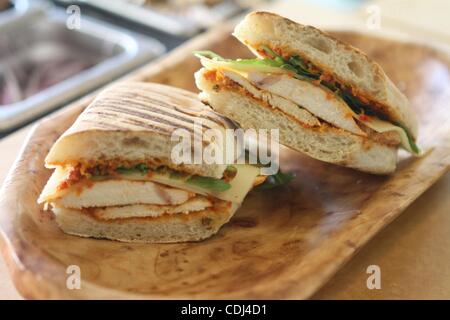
<point x="327" y="98"/>
<point x="114" y="176"/>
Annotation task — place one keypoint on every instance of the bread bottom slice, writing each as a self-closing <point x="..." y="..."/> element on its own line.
<point x="182" y="227"/>
<point x="325" y="143"/>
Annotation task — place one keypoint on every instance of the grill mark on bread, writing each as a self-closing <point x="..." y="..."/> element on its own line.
<point x="150" y="123"/>
<point x="152" y="118"/>
<point x="141" y="106"/>
<point x="100" y="125"/>
<point x="170" y="121"/>
<point x="209" y="119"/>
<point x="168" y="111"/>
<point x="131" y="121"/>
<point x="172" y="108"/>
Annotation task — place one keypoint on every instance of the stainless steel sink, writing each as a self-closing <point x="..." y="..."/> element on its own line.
<point x="44" y="64"/>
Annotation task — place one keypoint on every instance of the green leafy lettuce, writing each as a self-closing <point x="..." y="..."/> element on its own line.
<point x="277" y="180"/>
<point x="203" y="182"/>
<point x="209" y="183"/>
<point x="262" y="65"/>
<point x="140" y="168"/>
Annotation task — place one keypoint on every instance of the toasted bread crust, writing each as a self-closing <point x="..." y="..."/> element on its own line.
<point x="135" y="123"/>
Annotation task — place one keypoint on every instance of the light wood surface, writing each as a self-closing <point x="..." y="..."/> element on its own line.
<point x="281" y="244"/>
<point x="413" y="252"/>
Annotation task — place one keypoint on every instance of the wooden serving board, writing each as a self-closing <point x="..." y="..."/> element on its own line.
<point x="282" y="243"/>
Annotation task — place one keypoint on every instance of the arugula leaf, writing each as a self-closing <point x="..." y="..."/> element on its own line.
<point x="212" y="60"/>
<point x="272" y="54"/>
<point x="277" y="180"/>
<point x="294" y="63"/>
<point x="141" y="168"/>
<point x="329" y="86"/>
<point x="411" y="141"/>
<point x="302" y="68"/>
<point x="356" y="105"/>
<point x="209" y="183"/>
<point x="298" y="62"/>
<point x="214" y="56"/>
<point x="124" y="170"/>
<point x="208" y="54"/>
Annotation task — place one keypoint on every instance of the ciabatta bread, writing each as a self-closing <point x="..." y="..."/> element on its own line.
<point x="344" y="62"/>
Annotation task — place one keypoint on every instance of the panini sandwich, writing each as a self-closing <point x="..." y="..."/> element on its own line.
<point x="327" y="98"/>
<point x="114" y="177"/>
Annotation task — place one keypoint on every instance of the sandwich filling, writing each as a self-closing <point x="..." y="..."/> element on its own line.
<point x="277" y="76"/>
<point x="112" y="192"/>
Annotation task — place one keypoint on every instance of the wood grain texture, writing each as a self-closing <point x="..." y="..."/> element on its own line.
<point x="283" y="243"/>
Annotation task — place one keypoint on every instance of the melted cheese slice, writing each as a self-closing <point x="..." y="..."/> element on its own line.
<point x="384" y="126"/>
<point x="241" y="184"/>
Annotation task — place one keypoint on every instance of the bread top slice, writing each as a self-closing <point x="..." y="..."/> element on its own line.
<point x="342" y="62"/>
<point x="133" y="123"/>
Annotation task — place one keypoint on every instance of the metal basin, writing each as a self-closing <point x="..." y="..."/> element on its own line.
<point x="44" y="64"/>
